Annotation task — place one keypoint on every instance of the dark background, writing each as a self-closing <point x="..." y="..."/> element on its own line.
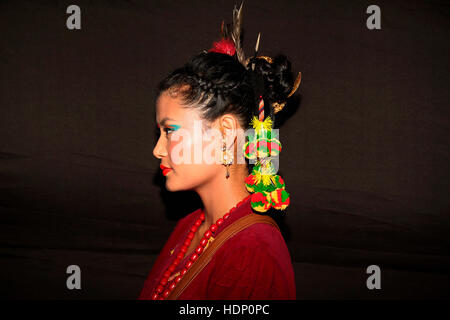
<point x="365" y="158"/>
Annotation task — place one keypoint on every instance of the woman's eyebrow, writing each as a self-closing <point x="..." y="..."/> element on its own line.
<point x="164" y="120"/>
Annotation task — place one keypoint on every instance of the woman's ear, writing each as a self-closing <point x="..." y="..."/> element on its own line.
<point x="229" y="126"/>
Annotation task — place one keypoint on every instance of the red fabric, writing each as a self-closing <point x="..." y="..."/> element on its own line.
<point x="253" y="264"/>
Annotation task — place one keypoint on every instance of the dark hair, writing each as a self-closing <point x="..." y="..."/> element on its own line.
<point x="218" y="83"/>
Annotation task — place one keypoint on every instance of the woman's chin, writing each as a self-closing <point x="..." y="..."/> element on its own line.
<point x="174" y="185"/>
<point x="171" y="186"/>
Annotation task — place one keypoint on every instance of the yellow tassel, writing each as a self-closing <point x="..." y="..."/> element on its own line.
<point x="265" y="174"/>
<point x="261" y="125"/>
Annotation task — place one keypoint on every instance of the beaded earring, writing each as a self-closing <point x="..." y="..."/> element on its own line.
<point x="227" y="159"/>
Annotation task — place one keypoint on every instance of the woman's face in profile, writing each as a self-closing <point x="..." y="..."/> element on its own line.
<point x="188" y="151"/>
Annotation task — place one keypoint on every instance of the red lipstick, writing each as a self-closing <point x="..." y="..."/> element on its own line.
<point x="165" y="170"/>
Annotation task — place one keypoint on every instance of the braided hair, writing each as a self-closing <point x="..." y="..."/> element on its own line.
<point x="218" y="84"/>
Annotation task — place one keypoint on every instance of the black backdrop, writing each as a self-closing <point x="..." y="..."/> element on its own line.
<point x="365" y="158"/>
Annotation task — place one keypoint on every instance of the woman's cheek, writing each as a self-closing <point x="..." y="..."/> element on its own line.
<point x="211" y="153"/>
<point x="181" y="151"/>
<point x="171" y="145"/>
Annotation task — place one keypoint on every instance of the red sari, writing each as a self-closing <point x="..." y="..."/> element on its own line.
<point x="253" y="264"/>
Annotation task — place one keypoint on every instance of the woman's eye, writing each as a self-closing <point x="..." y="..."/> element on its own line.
<point x="168" y="130"/>
<point x="171" y="128"/>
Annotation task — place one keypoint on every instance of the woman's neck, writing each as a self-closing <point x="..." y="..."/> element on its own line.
<point x="221" y="194"/>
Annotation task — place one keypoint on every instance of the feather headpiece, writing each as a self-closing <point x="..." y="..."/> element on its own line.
<point x="231" y="44"/>
<point x="234" y="32"/>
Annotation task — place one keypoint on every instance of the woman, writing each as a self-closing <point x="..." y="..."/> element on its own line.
<point x="201" y="110"/>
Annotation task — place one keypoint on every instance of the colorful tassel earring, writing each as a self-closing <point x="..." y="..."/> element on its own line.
<point x="267" y="187"/>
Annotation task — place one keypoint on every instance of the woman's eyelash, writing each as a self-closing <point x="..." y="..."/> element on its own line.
<point x="171" y="127"/>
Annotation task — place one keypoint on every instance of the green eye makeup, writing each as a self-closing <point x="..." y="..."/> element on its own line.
<point x="171" y="128"/>
<point x="174" y="127"/>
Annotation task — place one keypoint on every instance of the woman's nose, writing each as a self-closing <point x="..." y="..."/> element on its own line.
<point x="159" y="151"/>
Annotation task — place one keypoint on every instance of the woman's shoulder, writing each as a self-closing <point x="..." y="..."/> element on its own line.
<point x="256" y="257"/>
<point x="259" y="234"/>
<point x="260" y="238"/>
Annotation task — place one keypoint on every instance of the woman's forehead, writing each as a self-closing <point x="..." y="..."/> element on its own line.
<point x="171" y="108"/>
<point x="167" y="106"/>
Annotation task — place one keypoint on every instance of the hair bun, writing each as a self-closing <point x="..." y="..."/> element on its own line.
<point x="284" y="78"/>
<point x="277" y="75"/>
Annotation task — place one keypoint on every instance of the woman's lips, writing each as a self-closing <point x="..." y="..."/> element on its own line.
<point x="165" y="170"/>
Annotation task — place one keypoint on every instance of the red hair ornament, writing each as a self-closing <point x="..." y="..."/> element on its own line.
<point x="224" y="46"/>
